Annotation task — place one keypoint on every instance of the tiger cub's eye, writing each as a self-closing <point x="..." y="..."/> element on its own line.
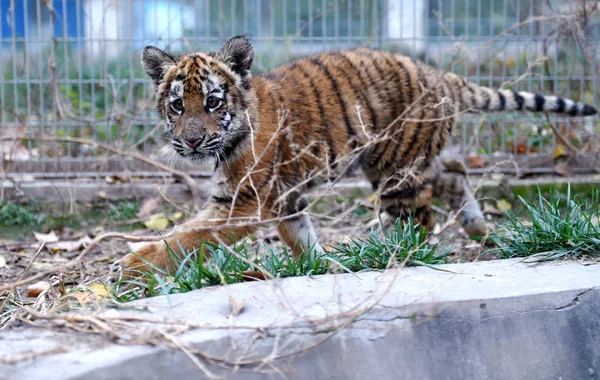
<point x="177" y="105"/>
<point x="213" y="103"/>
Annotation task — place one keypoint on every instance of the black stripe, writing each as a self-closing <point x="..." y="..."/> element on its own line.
<point x="519" y="99"/>
<point x="472" y="92"/>
<point x="234" y="140"/>
<point x="560" y="105"/>
<point x="539" y="102"/>
<point x="574" y="110"/>
<point x="224" y="200"/>
<point x="395" y="102"/>
<point x="411" y="95"/>
<point x="588" y="110"/>
<point x="280" y="96"/>
<point x="316" y="149"/>
<point x="408" y="191"/>
<point x="417" y="135"/>
<point x="502" y="101"/>
<point x="382" y="76"/>
<point x="324" y="130"/>
<point x="399" y="126"/>
<point x="179" y="77"/>
<point x="378" y="151"/>
<point x="363" y="87"/>
<point x="338" y="94"/>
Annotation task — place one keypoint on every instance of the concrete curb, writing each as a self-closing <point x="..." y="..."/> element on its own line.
<point x="489" y="320"/>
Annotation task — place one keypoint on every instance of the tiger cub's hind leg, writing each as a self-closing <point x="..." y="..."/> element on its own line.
<point x="450" y="184"/>
<point x="409" y="196"/>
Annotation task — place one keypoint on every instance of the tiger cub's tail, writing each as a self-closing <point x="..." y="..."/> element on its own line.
<point x="479" y="98"/>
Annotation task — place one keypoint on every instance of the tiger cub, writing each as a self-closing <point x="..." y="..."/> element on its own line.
<point x="277" y="135"/>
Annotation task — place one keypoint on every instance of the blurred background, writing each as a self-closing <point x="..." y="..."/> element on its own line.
<point x="70" y="70"/>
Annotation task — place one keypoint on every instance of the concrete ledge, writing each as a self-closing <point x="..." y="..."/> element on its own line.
<point x="489" y="320"/>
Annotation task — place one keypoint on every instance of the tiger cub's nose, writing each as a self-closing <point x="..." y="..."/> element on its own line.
<point x="193" y="143"/>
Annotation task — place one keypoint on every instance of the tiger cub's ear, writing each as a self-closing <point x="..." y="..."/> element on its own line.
<point x="156" y="63"/>
<point x="238" y="53"/>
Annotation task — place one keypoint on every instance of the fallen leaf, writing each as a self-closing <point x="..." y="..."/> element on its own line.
<point x="42" y="265"/>
<point x="563" y="169"/>
<point x="503" y="205"/>
<point x="36" y="289"/>
<point x="236" y="306"/>
<point x="94" y="292"/>
<point x="2" y="261"/>
<point x="372" y="198"/>
<point x="159" y="222"/>
<point x="110" y="180"/>
<point x="488" y="208"/>
<point x="149" y="206"/>
<point x="476" y="162"/>
<point x="122" y="177"/>
<point x="48" y="238"/>
<point x="559" y="151"/>
<point x="176" y="216"/>
<point x="101" y="195"/>
<point x="520" y="148"/>
<point x="100" y="290"/>
<point x="69" y="246"/>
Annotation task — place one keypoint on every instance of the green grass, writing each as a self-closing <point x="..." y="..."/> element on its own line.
<point x="560" y="227"/>
<point x="15" y="214"/>
<point x="404" y="243"/>
<point x="125" y="209"/>
<point x="17" y="219"/>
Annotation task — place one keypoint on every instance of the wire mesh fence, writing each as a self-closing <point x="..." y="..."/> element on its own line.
<point x="69" y="69"/>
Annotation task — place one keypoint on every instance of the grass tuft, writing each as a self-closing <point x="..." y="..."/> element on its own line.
<point x="405" y="244"/>
<point x="558" y="228"/>
<point x="13" y="214"/>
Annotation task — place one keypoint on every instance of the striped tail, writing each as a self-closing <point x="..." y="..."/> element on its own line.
<point x="492" y="100"/>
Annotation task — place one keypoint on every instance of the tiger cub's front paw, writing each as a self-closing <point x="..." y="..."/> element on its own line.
<point x="151" y="257"/>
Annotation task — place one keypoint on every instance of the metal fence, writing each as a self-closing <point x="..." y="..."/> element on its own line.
<point x="69" y="69"/>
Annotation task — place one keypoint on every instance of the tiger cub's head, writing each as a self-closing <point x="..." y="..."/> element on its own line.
<point x="202" y="98"/>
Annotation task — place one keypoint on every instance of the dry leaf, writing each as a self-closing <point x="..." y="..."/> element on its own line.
<point x="159" y="222"/>
<point x="149" y="206"/>
<point x="2" y="261"/>
<point x="563" y="169"/>
<point x="488" y="208"/>
<point x="99" y="290"/>
<point x="476" y="162"/>
<point x="236" y="306"/>
<point x="176" y="216"/>
<point x="69" y="246"/>
<point x="93" y="292"/>
<point x="122" y="177"/>
<point x="36" y="289"/>
<point x="559" y="151"/>
<point x="48" y="238"/>
<point x="503" y="205"/>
